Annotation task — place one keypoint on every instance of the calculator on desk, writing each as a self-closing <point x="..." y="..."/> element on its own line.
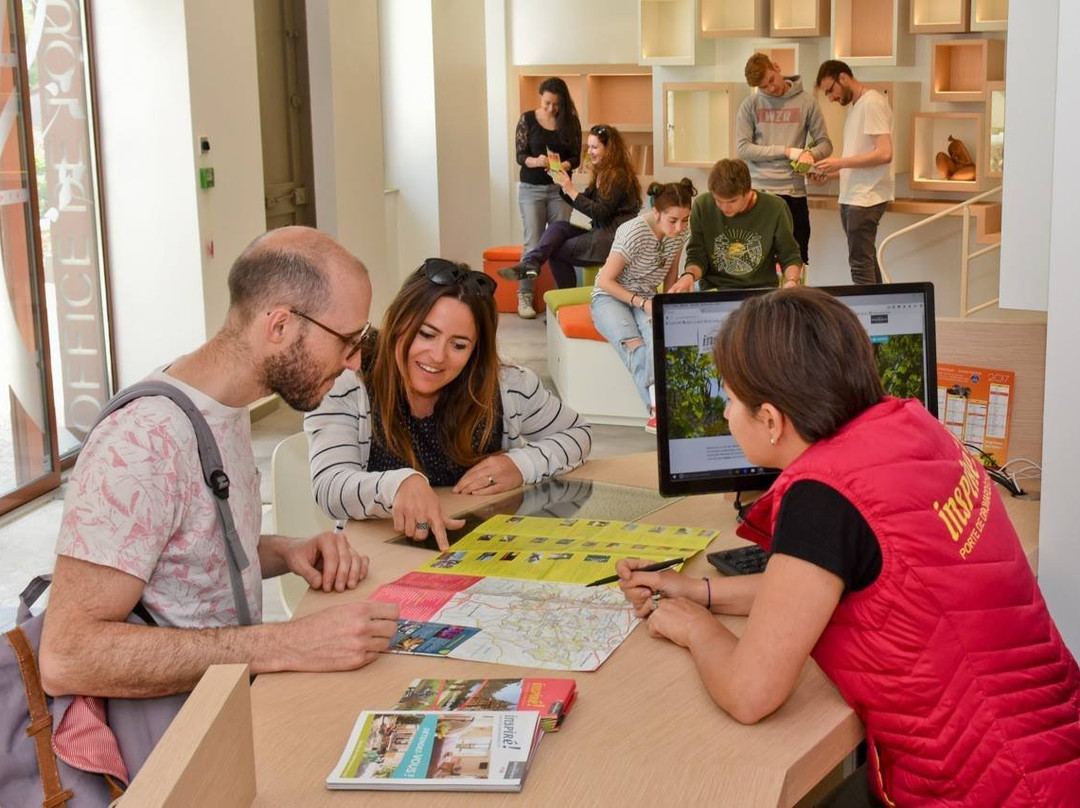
<point x="739" y="561"/>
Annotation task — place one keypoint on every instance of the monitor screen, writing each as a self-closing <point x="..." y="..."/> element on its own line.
<point x="696" y="451"/>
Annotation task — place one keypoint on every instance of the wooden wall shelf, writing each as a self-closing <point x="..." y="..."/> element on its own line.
<point x="871" y="32"/>
<point x="995" y="128"/>
<point x="699" y="121"/>
<point x="739" y="18"/>
<point x="786" y="57"/>
<point x="930" y="135"/>
<point x="939" y="16"/>
<point x="962" y="68"/>
<point x="668" y="32"/>
<point x="798" y="18"/>
<point x="989" y="15"/>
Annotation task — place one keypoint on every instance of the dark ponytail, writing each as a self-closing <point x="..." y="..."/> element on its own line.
<point x="664" y="195"/>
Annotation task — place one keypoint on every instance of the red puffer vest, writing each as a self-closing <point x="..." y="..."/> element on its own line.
<point x="950" y="658"/>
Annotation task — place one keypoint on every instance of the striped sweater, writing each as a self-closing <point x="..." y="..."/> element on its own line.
<point x="541" y="435"/>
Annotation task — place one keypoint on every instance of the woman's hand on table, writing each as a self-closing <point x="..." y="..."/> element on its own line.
<point x="418" y="512"/>
<point x="681" y="620"/>
<point x="638" y="587"/>
<point x="492" y="475"/>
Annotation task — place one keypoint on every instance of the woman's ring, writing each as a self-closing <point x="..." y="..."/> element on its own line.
<point x="491" y="481"/>
<point x="423" y="525"/>
<point x="656" y="596"/>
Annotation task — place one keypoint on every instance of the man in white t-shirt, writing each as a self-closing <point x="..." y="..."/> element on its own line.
<point x="865" y="169"/>
<point x="140" y="525"/>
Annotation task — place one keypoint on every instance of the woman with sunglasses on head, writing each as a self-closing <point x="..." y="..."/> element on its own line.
<point x="432" y="405"/>
<point x="892" y="563"/>
<point x="553" y="128"/>
<point x="612" y="197"/>
<point x="645" y="253"/>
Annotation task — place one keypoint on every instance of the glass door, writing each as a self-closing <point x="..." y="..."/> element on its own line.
<point x="29" y="460"/>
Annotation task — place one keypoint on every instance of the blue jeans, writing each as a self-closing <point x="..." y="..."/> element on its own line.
<point x="619" y="323"/>
<point x="540" y="206"/>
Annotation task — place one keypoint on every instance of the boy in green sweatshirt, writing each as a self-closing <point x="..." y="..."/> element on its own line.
<point x="738" y="235"/>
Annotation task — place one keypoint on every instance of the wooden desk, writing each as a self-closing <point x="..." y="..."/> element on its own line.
<point x="643" y="732"/>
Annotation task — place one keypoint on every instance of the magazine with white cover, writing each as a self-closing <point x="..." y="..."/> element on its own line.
<point x="429" y="750"/>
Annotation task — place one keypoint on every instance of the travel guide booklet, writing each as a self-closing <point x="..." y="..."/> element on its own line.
<point x="552" y="698"/>
<point x="400" y="750"/>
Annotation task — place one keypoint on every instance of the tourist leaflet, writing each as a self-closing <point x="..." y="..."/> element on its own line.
<point x="525" y="604"/>
<point x="552" y="698"/>
<point x="411" y="750"/>
<point x="579" y="551"/>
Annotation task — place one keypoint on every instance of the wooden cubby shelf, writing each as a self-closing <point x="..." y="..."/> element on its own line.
<point x="786" y="57"/>
<point x="939" y="16"/>
<point x="699" y="122"/>
<point x="930" y="133"/>
<point x="989" y="15"/>
<point x="798" y="18"/>
<point x="962" y="68"/>
<point x="740" y="18"/>
<point x="668" y="32"/>
<point x="995" y="129"/>
<point x="616" y="95"/>
<point x="871" y="33"/>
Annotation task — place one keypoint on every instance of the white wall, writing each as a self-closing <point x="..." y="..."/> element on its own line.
<point x="409" y="138"/>
<point x="461" y="129"/>
<point x="1032" y="65"/>
<point x="1059" y="550"/>
<point x="561" y="32"/>
<point x="148" y="173"/>
<point x="347" y="134"/>
<point x="224" y="92"/>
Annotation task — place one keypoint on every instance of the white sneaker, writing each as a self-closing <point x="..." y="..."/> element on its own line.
<point x="525" y="307"/>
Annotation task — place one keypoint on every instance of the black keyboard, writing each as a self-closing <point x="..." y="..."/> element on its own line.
<point x="740" y="561"/>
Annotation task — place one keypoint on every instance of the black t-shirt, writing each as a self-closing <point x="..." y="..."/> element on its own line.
<point x="533" y="140"/>
<point x="818" y="524"/>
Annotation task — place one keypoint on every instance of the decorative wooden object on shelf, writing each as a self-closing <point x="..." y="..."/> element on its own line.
<point x="962" y="68"/>
<point x="616" y="95"/>
<point x="786" y="57"/>
<point x="904" y="98"/>
<point x="799" y="18"/>
<point x="989" y="15"/>
<point x="939" y="16"/>
<point x="930" y="134"/>
<point x="871" y="32"/>
<point x="668" y="31"/>
<point x="741" y="18"/>
<point x="995" y="128"/>
<point x="699" y="121"/>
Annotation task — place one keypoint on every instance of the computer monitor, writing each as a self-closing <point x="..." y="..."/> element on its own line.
<point x="696" y="451"/>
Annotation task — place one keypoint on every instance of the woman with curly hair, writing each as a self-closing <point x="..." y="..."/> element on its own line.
<point x="433" y="405"/>
<point x="645" y="253"/>
<point x="612" y="197"/>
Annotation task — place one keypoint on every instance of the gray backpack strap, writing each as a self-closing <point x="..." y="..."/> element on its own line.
<point x="213" y="473"/>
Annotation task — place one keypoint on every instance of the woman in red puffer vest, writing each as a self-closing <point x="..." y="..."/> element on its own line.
<point x="893" y="564"/>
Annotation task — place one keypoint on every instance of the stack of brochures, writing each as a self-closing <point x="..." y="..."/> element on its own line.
<point x="552" y="698"/>
<point x="406" y="750"/>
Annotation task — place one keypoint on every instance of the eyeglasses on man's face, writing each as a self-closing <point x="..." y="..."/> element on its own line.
<point x="352" y="341"/>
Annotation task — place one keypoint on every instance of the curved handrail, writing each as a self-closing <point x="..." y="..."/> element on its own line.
<point x="949" y="211"/>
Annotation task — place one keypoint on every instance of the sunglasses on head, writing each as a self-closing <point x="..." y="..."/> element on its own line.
<point x="601" y="132"/>
<point x="446" y="273"/>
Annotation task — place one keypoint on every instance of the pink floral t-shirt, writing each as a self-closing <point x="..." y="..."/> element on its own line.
<point x="137" y="502"/>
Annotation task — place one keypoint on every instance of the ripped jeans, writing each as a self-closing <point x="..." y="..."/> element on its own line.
<point x="620" y="324"/>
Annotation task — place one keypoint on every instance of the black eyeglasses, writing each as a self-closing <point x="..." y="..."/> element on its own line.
<point x="446" y="273"/>
<point x="352" y="341"/>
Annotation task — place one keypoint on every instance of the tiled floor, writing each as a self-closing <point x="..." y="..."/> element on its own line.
<point x="27" y="536"/>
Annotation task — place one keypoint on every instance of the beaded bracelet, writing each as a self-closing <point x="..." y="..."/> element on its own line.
<point x="708" y="593"/>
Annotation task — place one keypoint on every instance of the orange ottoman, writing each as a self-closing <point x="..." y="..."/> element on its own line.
<point x="495" y="258"/>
